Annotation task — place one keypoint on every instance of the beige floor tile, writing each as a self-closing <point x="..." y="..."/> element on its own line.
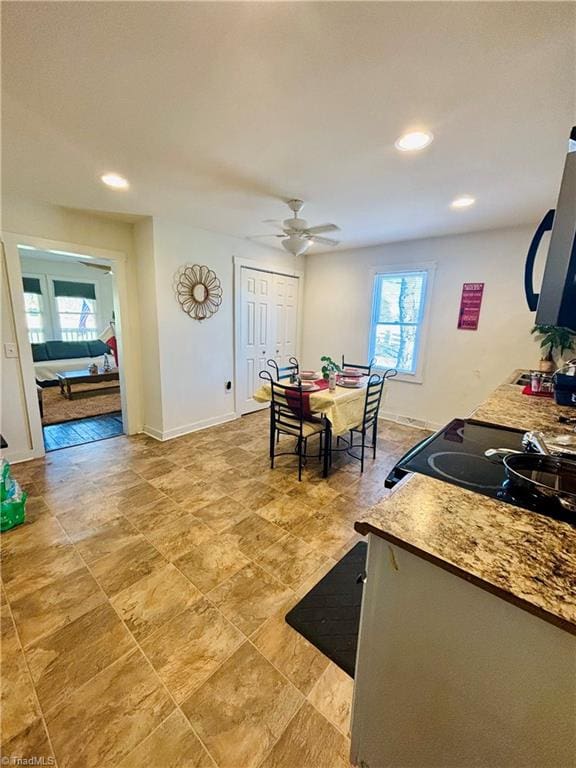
<point x="29" y="745"/>
<point x="289" y="652"/>
<point x="332" y="696"/>
<point x="255" y="534"/>
<point x="314" y="493"/>
<point x="242" y="709"/>
<point x="188" y="649"/>
<point x="287" y="512"/>
<point x="310" y="741"/>
<point x="19" y="708"/>
<point x="25" y="572"/>
<point x="126" y="565"/>
<point x="179" y="484"/>
<point x="64" y="660"/>
<point x="152" y="466"/>
<point x="290" y="559"/>
<point x="86" y="517"/>
<point x="202" y="493"/>
<point x="110" y="715"/>
<point x="136" y="496"/>
<point x="32" y="536"/>
<point x="55" y="605"/>
<point x="150" y="602"/>
<point x="213" y="562"/>
<point x="325" y="532"/>
<point x="249" y="597"/>
<point x="177" y="537"/>
<point x="147" y="517"/>
<point x="121" y="480"/>
<point x="98" y="542"/>
<point x="221" y="515"/>
<point x="172" y="745"/>
<point x="256" y="495"/>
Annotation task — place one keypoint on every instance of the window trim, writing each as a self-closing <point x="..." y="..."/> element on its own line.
<point x="388" y="269"/>
<point x="57" y="328"/>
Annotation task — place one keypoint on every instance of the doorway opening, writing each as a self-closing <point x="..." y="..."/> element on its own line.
<point x="70" y="318"/>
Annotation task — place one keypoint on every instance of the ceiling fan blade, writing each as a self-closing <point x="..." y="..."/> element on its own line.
<point x="324" y="240"/>
<point x="323" y="228"/>
<point x="271" y="234"/>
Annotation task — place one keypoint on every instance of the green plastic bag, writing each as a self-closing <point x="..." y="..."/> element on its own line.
<point x="13" y="511"/>
<point x="7" y="483"/>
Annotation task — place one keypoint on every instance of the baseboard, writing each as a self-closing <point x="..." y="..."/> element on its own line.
<point x="21" y="456"/>
<point x="409" y="421"/>
<point x="186" y="429"/>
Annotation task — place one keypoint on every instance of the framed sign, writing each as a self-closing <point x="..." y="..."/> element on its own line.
<point x="470" y="304"/>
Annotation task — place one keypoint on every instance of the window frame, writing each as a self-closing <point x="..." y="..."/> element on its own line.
<point x="54" y="303"/>
<point x="43" y="311"/>
<point x="423" y="325"/>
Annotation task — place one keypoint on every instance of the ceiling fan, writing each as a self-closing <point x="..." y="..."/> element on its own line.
<point x="296" y="235"/>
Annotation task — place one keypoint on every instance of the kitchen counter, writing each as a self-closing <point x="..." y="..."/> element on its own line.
<point x="524" y="558"/>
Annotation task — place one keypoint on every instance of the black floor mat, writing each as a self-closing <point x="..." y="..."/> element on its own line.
<point x="329" y="615"/>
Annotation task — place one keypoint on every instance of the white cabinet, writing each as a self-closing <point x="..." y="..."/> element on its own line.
<point x="449" y="675"/>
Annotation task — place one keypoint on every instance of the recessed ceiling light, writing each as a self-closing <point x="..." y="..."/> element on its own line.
<point x="414" y="141"/>
<point x="464" y="201"/>
<point x="114" y="180"/>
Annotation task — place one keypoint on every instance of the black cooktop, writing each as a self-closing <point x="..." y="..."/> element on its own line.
<point x="455" y="454"/>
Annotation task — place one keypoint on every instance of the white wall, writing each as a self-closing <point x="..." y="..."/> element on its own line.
<point x="197" y="358"/>
<point x="460" y="367"/>
<point x="71" y="270"/>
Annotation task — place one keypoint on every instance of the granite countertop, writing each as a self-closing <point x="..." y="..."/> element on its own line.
<point x="525" y="558"/>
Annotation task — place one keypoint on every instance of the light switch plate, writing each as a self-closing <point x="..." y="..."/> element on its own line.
<point x="10" y="350"/>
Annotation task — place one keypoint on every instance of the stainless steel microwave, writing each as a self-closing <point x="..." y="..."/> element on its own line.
<point x="556" y="302"/>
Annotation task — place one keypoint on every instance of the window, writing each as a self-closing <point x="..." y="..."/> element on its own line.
<point x="397" y="319"/>
<point x="34" y="308"/>
<point x="76" y="310"/>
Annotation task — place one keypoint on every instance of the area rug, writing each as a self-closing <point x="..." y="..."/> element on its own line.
<point x="329" y="615"/>
<point x="58" y="409"/>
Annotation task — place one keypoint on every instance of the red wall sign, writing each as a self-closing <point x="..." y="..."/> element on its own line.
<point x="470" y="304"/>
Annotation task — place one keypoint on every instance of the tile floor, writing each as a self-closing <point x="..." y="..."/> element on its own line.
<point x="143" y="603"/>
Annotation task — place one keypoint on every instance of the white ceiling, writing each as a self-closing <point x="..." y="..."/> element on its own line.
<point x="216" y="112"/>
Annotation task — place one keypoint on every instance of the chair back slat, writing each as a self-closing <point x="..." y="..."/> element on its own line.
<point x="360" y="366"/>
<point x="374" y="390"/>
<point x="284" y="371"/>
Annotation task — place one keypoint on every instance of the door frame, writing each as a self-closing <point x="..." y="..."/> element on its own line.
<point x="128" y="373"/>
<point x="275" y="269"/>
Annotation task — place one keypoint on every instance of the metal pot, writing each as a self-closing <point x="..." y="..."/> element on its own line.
<point x="547" y="476"/>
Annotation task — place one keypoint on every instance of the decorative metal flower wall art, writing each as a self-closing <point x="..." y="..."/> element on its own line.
<point x="198" y="290"/>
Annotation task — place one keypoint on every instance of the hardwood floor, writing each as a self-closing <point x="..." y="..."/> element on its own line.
<point x="81" y="431"/>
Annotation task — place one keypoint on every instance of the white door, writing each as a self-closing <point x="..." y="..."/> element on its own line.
<point x="268" y="329"/>
<point x="286" y="317"/>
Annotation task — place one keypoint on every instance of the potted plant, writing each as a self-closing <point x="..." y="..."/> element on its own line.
<point x="329" y="370"/>
<point x="553" y="339"/>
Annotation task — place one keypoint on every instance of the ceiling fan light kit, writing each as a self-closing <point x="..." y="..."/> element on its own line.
<point x="297" y="236"/>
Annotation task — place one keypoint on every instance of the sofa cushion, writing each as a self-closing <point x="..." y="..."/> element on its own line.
<point x="62" y="350"/>
<point x="39" y="353"/>
<point x="98" y="347"/>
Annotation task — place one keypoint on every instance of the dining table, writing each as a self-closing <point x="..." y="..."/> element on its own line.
<point x="342" y="407"/>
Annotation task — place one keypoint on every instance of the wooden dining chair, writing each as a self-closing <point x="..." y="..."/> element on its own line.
<point x="369" y="423"/>
<point x="285" y="371"/>
<point x="287" y="417"/>
<point x="367" y="369"/>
